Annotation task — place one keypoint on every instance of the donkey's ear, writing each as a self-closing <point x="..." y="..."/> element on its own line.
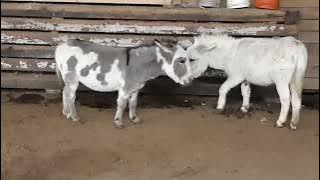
<point x="203" y="48"/>
<point x="211" y="47"/>
<point x="161" y="46"/>
<point x="157" y="42"/>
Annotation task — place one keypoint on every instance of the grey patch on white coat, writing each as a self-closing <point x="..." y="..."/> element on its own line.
<point x="71" y="63"/>
<point x="106" y="57"/>
<point x="144" y="68"/>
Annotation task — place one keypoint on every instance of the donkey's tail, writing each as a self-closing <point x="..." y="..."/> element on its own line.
<point x="58" y="57"/>
<point x="300" y="69"/>
<point x="58" y="73"/>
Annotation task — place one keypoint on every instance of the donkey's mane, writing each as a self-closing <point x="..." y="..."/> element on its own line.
<point x="207" y="39"/>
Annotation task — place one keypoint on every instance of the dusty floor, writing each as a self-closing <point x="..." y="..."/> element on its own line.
<point x="172" y="143"/>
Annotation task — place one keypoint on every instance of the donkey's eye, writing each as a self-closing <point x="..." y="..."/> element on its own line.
<point x="191" y="60"/>
<point x="181" y="60"/>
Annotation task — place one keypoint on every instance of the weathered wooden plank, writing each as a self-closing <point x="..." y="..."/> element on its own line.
<point x="27" y="51"/>
<point x="32" y="65"/>
<point x="305" y="13"/>
<point x="313" y="60"/>
<point x="309" y="37"/>
<point x="48" y="65"/>
<point x="299" y="3"/>
<point x="311" y="84"/>
<point x="50" y="81"/>
<point x="29" y="81"/>
<point x="140" y="13"/>
<point x="153" y="2"/>
<point x="308" y="25"/>
<point x="47" y="38"/>
<point x="19" y="52"/>
<point x="198" y="87"/>
<point x="150" y="27"/>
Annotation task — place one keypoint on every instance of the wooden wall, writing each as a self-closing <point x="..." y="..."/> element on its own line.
<point x="30" y="31"/>
<point x="308" y="27"/>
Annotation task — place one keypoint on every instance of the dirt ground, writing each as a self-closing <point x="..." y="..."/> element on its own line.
<point x="191" y="142"/>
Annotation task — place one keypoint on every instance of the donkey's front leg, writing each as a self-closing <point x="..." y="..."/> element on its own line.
<point x="224" y="89"/>
<point x="245" y="91"/>
<point x="121" y="106"/>
<point x="133" y="101"/>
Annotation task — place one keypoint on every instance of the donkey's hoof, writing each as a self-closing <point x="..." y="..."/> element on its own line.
<point x="75" y="118"/>
<point x="219" y="111"/>
<point x="118" y="124"/>
<point x="136" y="120"/>
<point x="244" y="109"/>
<point x="279" y="125"/>
<point x="66" y="113"/>
<point x="293" y="126"/>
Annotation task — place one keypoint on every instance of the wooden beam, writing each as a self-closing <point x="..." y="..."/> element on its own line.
<point x="156" y="86"/>
<point x="149" y="27"/>
<point x="152" y="2"/>
<point x="27" y="51"/>
<point x="140" y="13"/>
<point x="299" y="3"/>
<point x="47" y="38"/>
<point x="308" y="25"/>
<point x="198" y="87"/>
<point x="48" y="65"/>
<point x="28" y="65"/>
<point x="311" y="84"/>
<point x="313" y="61"/>
<point x="309" y="37"/>
<point x="305" y="13"/>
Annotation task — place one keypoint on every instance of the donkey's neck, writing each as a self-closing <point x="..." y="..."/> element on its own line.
<point x="223" y="54"/>
<point x="145" y="67"/>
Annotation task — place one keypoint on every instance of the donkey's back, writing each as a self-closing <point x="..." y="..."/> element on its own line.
<point x="97" y="67"/>
<point x="264" y="60"/>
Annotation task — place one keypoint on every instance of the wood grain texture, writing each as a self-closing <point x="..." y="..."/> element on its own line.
<point x="305" y="13"/>
<point x="156" y="86"/>
<point x="150" y="27"/>
<point x="308" y="25"/>
<point x="28" y="65"/>
<point x="27" y="51"/>
<point x="313" y="61"/>
<point x="153" y="2"/>
<point x="299" y="3"/>
<point x="140" y="13"/>
<point x="309" y="37"/>
<point x="198" y="87"/>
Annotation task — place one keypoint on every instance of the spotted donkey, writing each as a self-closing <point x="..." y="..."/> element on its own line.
<point x="126" y="70"/>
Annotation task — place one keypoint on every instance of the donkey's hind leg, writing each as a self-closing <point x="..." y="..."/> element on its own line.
<point x="69" y="96"/>
<point x="245" y="91"/>
<point x="65" y="108"/>
<point x="296" y="106"/>
<point x="284" y="95"/>
<point x="133" y="101"/>
<point x="122" y="102"/>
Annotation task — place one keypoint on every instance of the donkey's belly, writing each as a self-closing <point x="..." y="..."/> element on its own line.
<point x="260" y="79"/>
<point x="260" y="82"/>
<point x="102" y="82"/>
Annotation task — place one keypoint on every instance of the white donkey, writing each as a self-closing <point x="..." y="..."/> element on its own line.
<point x="260" y="61"/>
<point x="106" y="69"/>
